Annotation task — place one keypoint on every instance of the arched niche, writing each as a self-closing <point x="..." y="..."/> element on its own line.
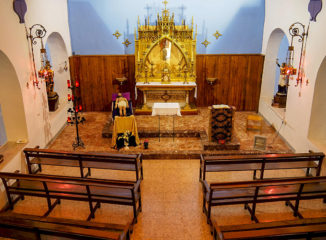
<point x="58" y="56"/>
<point x="13" y="113"/>
<point x="270" y="67"/>
<point x="317" y="128"/>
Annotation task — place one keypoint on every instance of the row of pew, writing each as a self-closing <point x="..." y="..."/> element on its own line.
<point x="291" y="190"/>
<point x="95" y="192"/>
<point x="83" y="188"/>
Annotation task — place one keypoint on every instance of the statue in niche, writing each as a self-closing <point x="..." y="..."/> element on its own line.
<point x="281" y="95"/>
<point x="283" y="80"/>
<point x="166" y="49"/>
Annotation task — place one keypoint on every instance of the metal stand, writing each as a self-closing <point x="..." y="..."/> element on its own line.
<point x="159" y="128"/>
<point x="78" y="142"/>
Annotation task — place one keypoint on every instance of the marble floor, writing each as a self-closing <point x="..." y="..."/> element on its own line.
<point x="171" y="192"/>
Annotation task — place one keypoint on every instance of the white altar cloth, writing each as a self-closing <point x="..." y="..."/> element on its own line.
<point x="166" y="109"/>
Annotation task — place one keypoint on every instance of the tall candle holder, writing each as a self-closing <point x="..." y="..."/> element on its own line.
<point x="75" y="118"/>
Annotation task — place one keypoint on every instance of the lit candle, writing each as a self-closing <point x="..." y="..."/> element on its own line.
<point x="69" y="120"/>
<point x="80" y="107"/>
<point x="69" y="97"/>
<point x="68" y="83"/>
<point x="77" y="83"/>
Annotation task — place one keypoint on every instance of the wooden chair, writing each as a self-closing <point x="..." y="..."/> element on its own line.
<point x="254" y="122"/>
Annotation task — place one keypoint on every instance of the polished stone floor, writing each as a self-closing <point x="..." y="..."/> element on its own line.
<point x="171" y="192"/>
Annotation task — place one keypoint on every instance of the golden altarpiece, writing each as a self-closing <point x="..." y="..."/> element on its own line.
<point x="165" y="58"/>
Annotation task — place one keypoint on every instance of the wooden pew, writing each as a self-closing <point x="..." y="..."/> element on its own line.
<point x="263" y="191"/>
<point x="93" y="191"/>
<point x="261" y="163"/>
<point x="23" y="226"/>
<point x="293" y="229"/>
<point x="39" y="157"/>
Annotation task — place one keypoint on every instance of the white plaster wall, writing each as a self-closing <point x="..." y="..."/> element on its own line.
<point x="281" y="14"/>
<point x="53" y="15"/>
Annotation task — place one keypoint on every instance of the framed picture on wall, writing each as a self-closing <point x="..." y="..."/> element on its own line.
<point x="260" y="143"/>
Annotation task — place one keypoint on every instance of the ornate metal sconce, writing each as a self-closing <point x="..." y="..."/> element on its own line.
<point x="298" y="30"/>
<point x="37" y="31"/>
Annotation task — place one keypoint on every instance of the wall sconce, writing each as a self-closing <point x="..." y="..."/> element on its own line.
<point x="297" y="30"/>
<point x="37" y="31"/>
<point x="211" y="81"/>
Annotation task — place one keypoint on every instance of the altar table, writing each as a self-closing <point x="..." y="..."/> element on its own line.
<point x="123" y="124"/>
<point x="165" y="109"/>
<point x="166" y="92"/>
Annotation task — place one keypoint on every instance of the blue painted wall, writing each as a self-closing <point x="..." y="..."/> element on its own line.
<point x="92" y="23"/>
<point x="282" y="53"/>
<point x="3" y="135"/>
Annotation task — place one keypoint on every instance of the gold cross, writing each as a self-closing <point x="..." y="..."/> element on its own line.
<point x="117" y="34"/>
<point x="206" y="43"/>
<point x="126" y="42"/>
<point x="217" y="34"/>
<point x="165" y="3"/>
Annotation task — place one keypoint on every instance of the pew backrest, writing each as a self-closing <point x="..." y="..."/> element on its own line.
<point x="124" y="162"/>
<point x="292" y="229"/>
<point x="23" y="226"/>
<point x="261" y="163"/>
<point x="71" y="188"/>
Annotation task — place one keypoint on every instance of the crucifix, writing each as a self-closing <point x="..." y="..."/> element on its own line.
<point x="165" y="3"/>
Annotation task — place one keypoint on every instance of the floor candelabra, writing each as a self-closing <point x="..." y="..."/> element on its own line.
<point x="75" y="117"/>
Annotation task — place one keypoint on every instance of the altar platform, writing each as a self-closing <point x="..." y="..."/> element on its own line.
<point x="187" y="144"/>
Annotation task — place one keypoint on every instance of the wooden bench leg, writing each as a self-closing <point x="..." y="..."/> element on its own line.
<point x="140" y="206"/>
<point x="308" y="172"/>
<point x="295" y="208"/>
<point x="135" y="212"/>
<point x="51" y="206"/>
<point x="209" y="213"/>
<point x="93" y="209"/>
<point x="141" y="172"/>
<point x="88" y="174"/>
<point x="204" y="205"/>
<point x="252" y="212"/>
<point x="254" y="176"/>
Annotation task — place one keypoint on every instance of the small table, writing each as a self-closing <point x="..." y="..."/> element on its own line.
<point x="166" y="109"/>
